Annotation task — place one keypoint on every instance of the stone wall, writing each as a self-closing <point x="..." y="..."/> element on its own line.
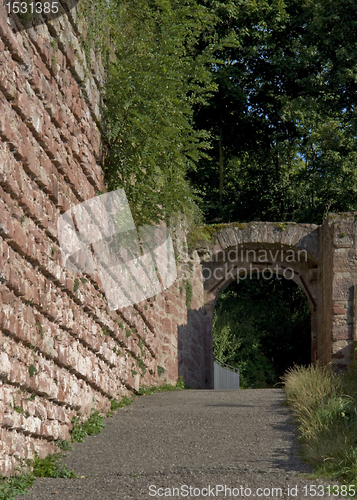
<point x="62" y="352"/>
<point x="336" y="299"/>
<point x="339" y="278"/>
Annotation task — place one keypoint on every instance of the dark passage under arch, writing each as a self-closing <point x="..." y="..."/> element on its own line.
<point x="262" y="326"/>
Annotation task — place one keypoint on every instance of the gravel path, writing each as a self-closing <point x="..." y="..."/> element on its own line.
<point x="201" y="439"/>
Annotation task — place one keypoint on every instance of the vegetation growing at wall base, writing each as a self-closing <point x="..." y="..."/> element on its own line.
<point x="10" y="487"/>
<point x="325" y="408"/>
<point x="52" y="465"/>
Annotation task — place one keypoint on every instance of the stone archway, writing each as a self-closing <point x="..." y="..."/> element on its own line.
<point x="240" y="251"/>
<point x="322" y="260"/>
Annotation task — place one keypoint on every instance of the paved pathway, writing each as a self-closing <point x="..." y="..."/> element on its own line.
<point x="201" y="439"/>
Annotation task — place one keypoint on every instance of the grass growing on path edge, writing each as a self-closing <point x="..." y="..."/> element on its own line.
<point x="52" y="466"/>
<point x="324" y="405"/>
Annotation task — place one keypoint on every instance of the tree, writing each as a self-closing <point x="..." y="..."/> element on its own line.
<point x="283" y="119"/>
<point x="154" y="81"/>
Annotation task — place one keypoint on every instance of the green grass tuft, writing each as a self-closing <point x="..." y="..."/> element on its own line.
<point x="180" y="384"/>
<point x="64" y="445"/>
<point x="75" y="285"/>
<point x="51" y="466"/>
<point x="10" y="487"/>
<point x="325" y="408"/>
<point x="189" y="293"/>
<point x="160" y="370"/>
<point x="125" y="401"/>
<point x="93" y="426"/>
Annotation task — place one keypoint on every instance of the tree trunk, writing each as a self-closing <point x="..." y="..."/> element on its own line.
<point x="221" y="171"/>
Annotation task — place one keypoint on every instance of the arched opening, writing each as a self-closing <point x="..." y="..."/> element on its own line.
<point x="262" y="326"/>
<point x="237" y="255"/>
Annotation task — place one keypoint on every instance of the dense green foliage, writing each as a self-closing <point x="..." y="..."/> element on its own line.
<point x="155" y="79"/>
<point x="51" y="466"/>
<point x="11" y="487"/>
<point x="91" y="427"/>
<point x="269" y="86"/>
<point x="284" y="118"/>
<point x="262" y="327"/>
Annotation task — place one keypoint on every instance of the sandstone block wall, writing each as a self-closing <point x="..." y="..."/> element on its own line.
<point x="62" y="352"/>
<point x="338" y="288"/>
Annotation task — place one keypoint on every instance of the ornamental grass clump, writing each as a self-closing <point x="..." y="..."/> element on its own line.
<point x="325" y="408"/>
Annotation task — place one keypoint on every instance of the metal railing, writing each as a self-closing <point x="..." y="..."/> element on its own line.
<point x="225" y="376"/>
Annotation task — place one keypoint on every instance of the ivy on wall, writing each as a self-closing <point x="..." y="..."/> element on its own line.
<point x="157" y="73"/>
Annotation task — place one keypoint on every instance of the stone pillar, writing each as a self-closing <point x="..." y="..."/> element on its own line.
<point x="337" y="281"/>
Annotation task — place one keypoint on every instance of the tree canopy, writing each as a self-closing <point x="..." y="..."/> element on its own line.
<point x="245" y="109"/>
<point x="155" y="80"/>
<point x="283" y="120"/>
